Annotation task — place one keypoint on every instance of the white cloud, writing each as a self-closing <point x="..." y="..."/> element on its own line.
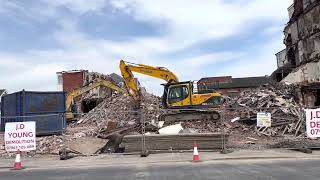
<point x="19" y="74"/>
<point x="185" y="23"/>
<point x="205" y="19"/>
<point x="260" y="63"/>
<point x="211" y="58"/>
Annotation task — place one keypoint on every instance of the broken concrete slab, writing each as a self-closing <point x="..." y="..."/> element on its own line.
<point x="87" y="145"/>
<point x="173" y="129"/>
<point x="151" y="127"/>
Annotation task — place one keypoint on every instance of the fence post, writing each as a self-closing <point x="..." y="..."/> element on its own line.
<point x="223" y="143"/>
<point x="144" y="151"/>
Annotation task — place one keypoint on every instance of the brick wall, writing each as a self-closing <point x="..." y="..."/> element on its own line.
<point x="232" y="92"/>
<point x="212" y="82"/>
<point x="72" y="81"/>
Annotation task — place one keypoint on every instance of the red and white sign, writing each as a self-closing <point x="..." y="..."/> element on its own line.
<point x="313" y="122"/>
<point x="20" y="135"/>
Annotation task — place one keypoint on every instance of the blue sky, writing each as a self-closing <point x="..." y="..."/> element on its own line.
<point x="192" y="38"/>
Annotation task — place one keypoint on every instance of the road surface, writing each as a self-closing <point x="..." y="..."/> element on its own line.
<point x="224" y="170"/>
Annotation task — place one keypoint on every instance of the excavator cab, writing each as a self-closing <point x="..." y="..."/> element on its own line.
<point x="177" y="94"/>
<point x="181" y="95"/>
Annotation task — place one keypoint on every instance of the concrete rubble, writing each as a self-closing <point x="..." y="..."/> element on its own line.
<point x="123" y="110"/>
<point x="286" y="114"/>
<point x="173" y="129"/>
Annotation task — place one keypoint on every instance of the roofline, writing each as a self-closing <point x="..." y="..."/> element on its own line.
<point x="216" y="77"/>
<point x="244" y="87"/>
<point x="266" y="76"/>
<point x="72" y="71"/>
<point x="235" y="77"/>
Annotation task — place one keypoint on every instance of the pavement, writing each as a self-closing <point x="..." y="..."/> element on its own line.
<point x="103" y="160"/>
<point x="231" y="169"/>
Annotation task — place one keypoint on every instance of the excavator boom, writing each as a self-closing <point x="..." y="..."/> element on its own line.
<point x="177" y="96"/>
<point x="127" y="68"/>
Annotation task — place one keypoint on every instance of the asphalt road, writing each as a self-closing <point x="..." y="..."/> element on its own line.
<point x="231" y="170"/>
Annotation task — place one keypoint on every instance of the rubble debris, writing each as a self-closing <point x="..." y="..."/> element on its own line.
<point x="253" y="139"/>
<point x="235" y="119"/>
<point x="279" y="100"/>
<point x="150" y="127"/>
<point x="250" y="142"/>
<point x="113" y="144"/>
<point x="203" y="126"/>
<point x="160" y="124"/>
<point x="50" y="144"/>
<point x="111" y="126"/>
<point x="121" y="108"/>
<point x="102" y="134"/>
<point x="173" y="129"/>
<point x="65" y="154"/>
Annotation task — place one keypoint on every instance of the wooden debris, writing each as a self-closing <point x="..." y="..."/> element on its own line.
<point x="278" y="100"/>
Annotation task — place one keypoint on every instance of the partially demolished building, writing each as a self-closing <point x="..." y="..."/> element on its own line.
<point x="299" y="62"/>
<point x="74" y="79"/>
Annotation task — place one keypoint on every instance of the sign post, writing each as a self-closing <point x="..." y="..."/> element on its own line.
<point x="263" y="119"/>
<point x="20" y="136"/>
<point x="313" y="122"/>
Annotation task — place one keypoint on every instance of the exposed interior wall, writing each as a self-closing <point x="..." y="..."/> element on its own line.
<point x="302" y="33"/>
<point x="302" y="39"/>
<point x="308" y="73"/>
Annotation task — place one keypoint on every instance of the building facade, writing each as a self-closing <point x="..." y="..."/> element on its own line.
<point x="299" y="62"/>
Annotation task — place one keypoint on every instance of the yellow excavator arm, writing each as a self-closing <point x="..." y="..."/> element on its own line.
<point x="77" y="92"/>
<point x="179" y="97"/>
<point x="127" y="68"/>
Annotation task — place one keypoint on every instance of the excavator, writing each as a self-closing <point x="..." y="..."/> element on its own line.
<point x="179" y="98"/>
<point x="77" y="92"/>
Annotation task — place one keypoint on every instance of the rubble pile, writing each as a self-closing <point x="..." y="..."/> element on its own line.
<point x="123" y="110"/>
<point x="50" y="144"/>
<point x="2" y="147"/>
<point x="279" y="100"/>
